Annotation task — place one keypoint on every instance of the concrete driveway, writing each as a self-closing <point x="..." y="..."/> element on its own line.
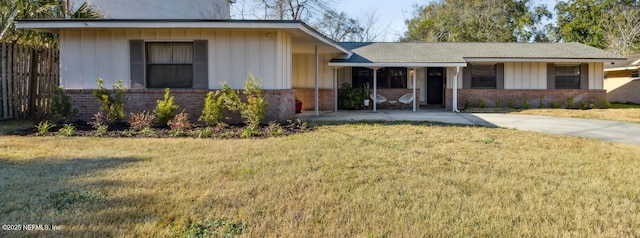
<point x="623" y="132"/>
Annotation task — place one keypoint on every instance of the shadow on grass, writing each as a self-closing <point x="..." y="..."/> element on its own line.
<point x="52" y="191"/>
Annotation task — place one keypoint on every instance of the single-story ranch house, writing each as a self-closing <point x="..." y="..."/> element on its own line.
<point x="622" y="80"/>
<point x="293" y="60"/>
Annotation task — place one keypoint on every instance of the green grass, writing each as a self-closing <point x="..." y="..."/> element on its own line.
<point x="339" y="181"/>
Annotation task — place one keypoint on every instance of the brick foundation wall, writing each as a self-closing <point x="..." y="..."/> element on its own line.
<point x="281" y="103"/>
<point x="518" y="95"/>
<point x="307" y="96"/>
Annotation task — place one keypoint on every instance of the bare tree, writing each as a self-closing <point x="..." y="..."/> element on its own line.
<point x="622" y="29"/>
<point x="292" y="9"/>
<point x="372" y="28"/>
<point x="339" y="27"/>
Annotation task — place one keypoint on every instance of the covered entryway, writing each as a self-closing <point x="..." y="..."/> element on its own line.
<point x="435" y="85"/>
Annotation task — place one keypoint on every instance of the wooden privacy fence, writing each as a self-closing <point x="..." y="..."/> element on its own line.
<point x="29" y="78"/>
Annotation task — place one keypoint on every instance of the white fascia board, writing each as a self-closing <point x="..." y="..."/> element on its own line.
<point x="406" y="65"/>
<point x="56" y="26"/>
<point x="622" y="68"/>
<point x="549" y="60"/>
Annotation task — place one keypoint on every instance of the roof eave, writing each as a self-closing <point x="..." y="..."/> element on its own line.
<point x="55" y="26"/>
<point x="531" y="59"/>
<point x="398" y="64"/>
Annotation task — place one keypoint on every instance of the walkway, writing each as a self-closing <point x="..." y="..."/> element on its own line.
<point x="623" y="132"/>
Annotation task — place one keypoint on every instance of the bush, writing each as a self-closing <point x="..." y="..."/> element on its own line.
<point x="112" y="105"/>
<point x="141" y="121"/>
<point x="44" y="127"/>
<point x="498" y="103"/>
<point x="61" y="106"/>
<point x="482" y="103"/>
<point x="353" y="98"/>
<point x="100" y="123"/>
<point x="179" y="124"/>
<point x="165" y="109"/>
<point x="274" y="129"/>
<point x="554" y="104"/>
<point x="467" y="104"/>
<point x="254" y="110"/>
<point x="569" y="103"/>
<point x="511" y="104"/>
<point x="67" y="130"/>
<point x="540" y="103"/>
<point x="213" y="108"/>
<point x="525" y="104"/>
<point x="604" y="102"/>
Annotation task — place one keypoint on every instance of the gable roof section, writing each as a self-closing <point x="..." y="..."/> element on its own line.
<point x="459" y="54"/>
<point x="301" y="33"/>
<point x="632" y="62"/>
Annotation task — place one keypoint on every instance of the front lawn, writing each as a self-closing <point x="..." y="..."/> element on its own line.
<point x="359" y="180"/>
<point x="617" y="112"/>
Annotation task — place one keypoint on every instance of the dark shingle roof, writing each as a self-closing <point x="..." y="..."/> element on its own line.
<point x="464" y="52"/>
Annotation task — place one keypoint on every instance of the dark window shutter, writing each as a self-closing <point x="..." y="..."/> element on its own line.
<point x="200" y="64"/>
<point x="500" y="76"/>
<point x="584" y="76"/>
<point x="136" y="61"/>
<point x="466" y="77"/>
<point x="551" y="76"/>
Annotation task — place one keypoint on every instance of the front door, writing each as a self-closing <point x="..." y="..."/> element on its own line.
<point x="435" y="85"/>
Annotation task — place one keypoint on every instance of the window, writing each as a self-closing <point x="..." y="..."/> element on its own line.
<point x="169" y="64"/>
<point x="568" y="76"/>
<point x="387" y="77"/>
<point x="483" y="76"/>
<point x="635" y="73"/>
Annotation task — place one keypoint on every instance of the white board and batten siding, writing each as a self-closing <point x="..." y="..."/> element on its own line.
<point x="304" y="71"/>
<point x="525" y="75"/>
<point x="88" y="55"/>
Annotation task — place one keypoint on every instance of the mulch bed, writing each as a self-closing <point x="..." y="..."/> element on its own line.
<point x="122" y="130"/>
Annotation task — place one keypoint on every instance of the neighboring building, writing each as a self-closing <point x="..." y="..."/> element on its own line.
<point x="293" y="60"/>
<point x="622" y="80"/>
<point x="158" y="9"/>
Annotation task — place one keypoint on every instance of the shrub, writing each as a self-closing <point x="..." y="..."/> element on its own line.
<point x="213" y="108"/>
<point x="583" y="105"/>
<point x="540" y="102"/>
<point x="67" y="130"/>
<point x="147" y="132"/>
<point x="353" y="98"/>
<point x="101" y="130"/>
<point x="467" y="104"/>
<point x="179" y="124"/>
<point x="44" y="127"/>
<point x="250" y="132"/>
<point x="61" y="106"/>
<point x="525" y="104"/>
<point x="254" y="110"/>
<point x="511" y="103"/>
<point x="604" y="102"/>
<point x="274" y="129"/>
<point x="141" y="121"/>
<point x="100" y="123"/>
<point x="554" y="104"/>
<point x="498" y="103"/>
<point x="112" y="105"/>
<point x="207" y="132"/>
<point x="482" y="103"/>
<point x="165" y="109"/>
<point x="569" y="103"/>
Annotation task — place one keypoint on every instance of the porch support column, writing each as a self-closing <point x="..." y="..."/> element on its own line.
<point x="335" y="89"/>
<point x="414" y="88"/>
<point x="317" y="91"/>
<point x="455" y="90"/>
<point x="375" y="89"/>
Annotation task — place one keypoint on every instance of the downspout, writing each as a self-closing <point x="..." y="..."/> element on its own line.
<point x="455" y="90"/>
<point x="317" y="91"/>
<point x="414" y="88"/>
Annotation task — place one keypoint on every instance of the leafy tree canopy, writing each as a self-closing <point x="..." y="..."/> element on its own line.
<point x="477" y="21"/>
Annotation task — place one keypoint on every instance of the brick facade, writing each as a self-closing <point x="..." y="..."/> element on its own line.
<point x="281" y="102"/>
<point x="518" y="95"/>
<point x="307" y="96"/>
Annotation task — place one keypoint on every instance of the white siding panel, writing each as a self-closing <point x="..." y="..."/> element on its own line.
<point x="269" y="54"/>
<point x="223" y="68"/>
<point x="253" y="54"/>
<point x="509" y="75"/>
<point x="526" y="75"/>
<point x="120" y="57"/>
<point x="74" y="61"/>
<point x="238" y="56"/>
<point x="104" y="68"/>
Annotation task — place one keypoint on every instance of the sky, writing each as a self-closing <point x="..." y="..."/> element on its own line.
<point x="391" y="13"/>
<point x="394" y="12"/>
